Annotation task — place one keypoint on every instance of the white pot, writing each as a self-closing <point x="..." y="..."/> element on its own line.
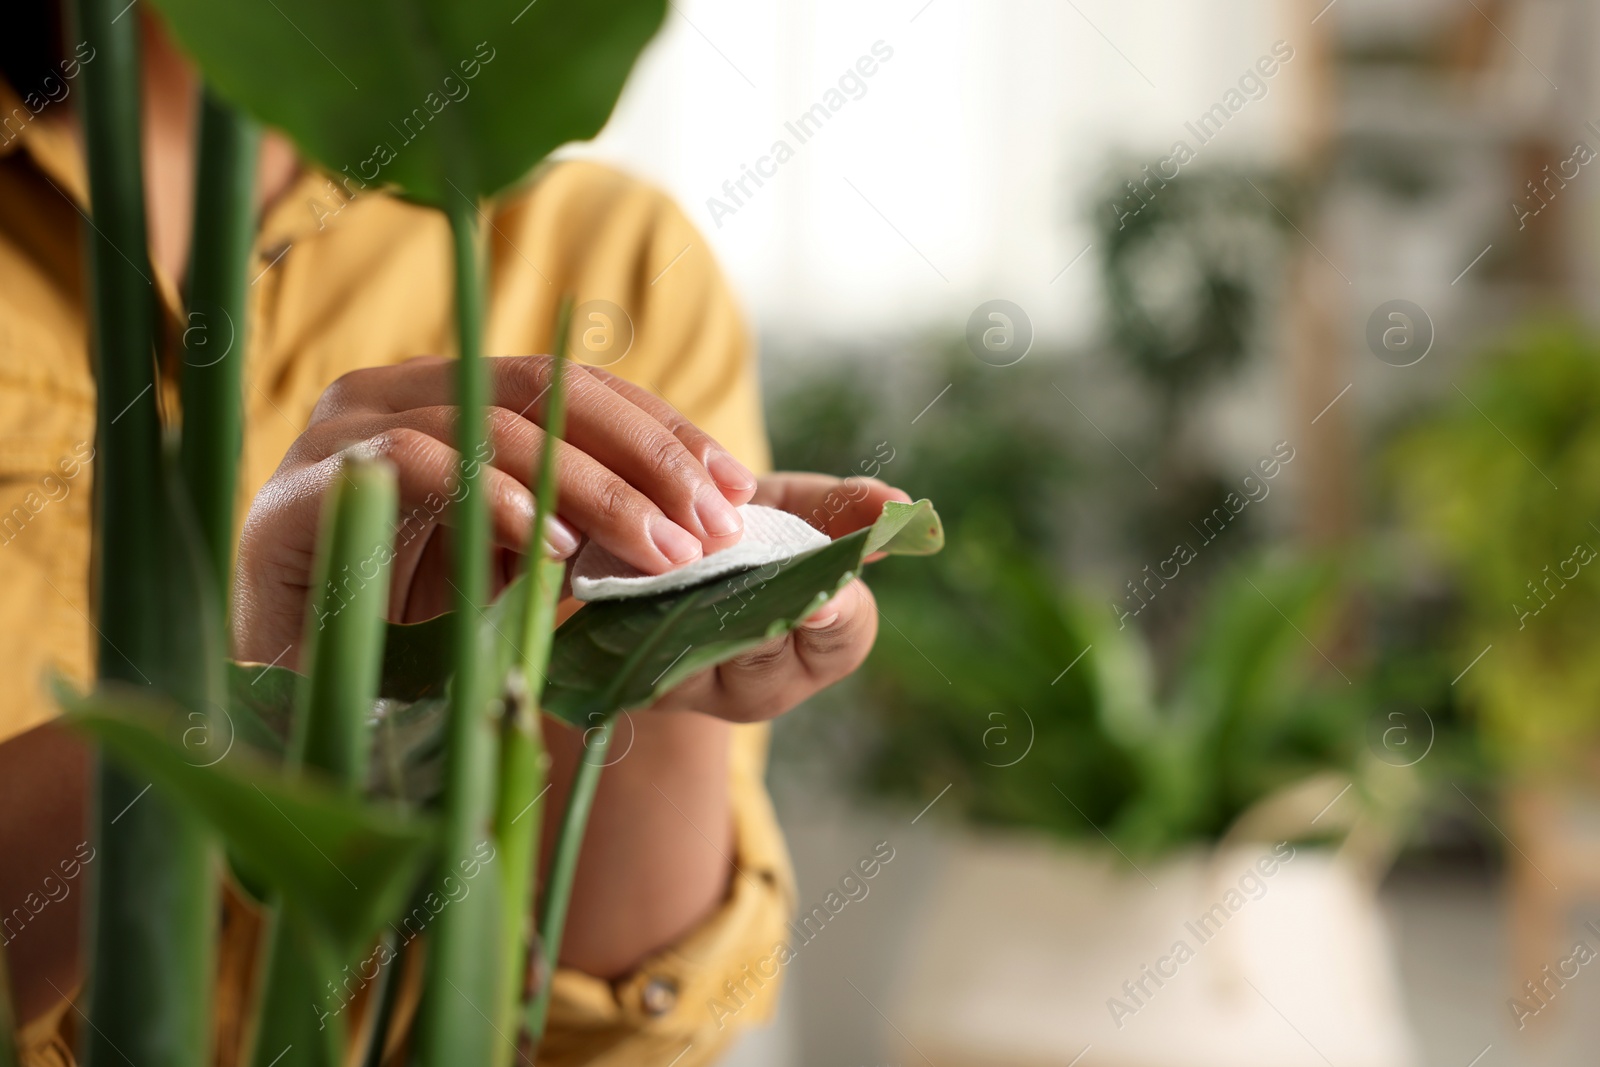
<point x="1030" y="952"/>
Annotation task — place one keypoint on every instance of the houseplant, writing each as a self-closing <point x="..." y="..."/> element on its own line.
<point x="331" y="853"/>
<point x="1498" y="484"/>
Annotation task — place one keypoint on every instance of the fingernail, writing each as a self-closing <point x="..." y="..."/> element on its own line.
<point x="673" y="541"/>
<point x="825" y="617"/>
<point x="560" y="540"/>
<point x="717" y="517"/>
<point x="843" y="603"/>
<point x="729" y="473"/>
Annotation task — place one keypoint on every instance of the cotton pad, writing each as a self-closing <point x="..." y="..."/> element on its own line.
<point x="770" y="536"/>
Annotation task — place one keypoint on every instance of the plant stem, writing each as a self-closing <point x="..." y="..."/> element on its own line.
<point x="343" y="659"/>
<point x="564" y="865"/>
<point x="154" y="915"/>
<point x="524" y="764"/>
<point x="213" y="343"/>
<point x="463" y="969"/>
<point x="343" y="651"/>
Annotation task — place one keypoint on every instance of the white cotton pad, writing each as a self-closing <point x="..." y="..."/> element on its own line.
<point x="770" y="536"/>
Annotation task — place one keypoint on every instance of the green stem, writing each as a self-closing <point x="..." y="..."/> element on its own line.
<point x="461" y="984"/>
<point x="154" y="913"/>
<point x="524" y="764"/>
<point x="343" y="659"/>
<point x="564" y="865"/>
<point x="343" y="651"/>
<point x="213" y="342"/>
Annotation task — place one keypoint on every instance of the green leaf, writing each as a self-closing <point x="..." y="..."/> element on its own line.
<point x="294" y="1009"/>
<point x="344" y="864"/>
<point x="463" y="952"/>
<point x="621" y="645"/>
<point x="343" y="649"/>
<point x="416" y="659"/>
<point x="151" y="937"/>
<point x="406" y="734"/>
<point x="224" y="226"/>
<point x="524" y="760"/>
<point x="261" y="704"/>
<point x="331" y="733"/>
<point x="445" y="100"/>
<point x="620" y="654"/>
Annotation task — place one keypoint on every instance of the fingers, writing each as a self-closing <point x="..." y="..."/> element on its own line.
<point x="836" y="506"/>
<point x="734" y="478"/>
<point x="689" y="481"/>
<point x="591" y="497"/>
<point x="648" y="456"/>
<point x="771" y="679"/>
<point x="831" y="643"/>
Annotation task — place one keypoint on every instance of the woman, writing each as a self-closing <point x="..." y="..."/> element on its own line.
<point x="683" y="881"/>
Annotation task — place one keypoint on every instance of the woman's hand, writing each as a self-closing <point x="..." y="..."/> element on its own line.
<point x="633" y="474"/>
<point x="769" y="680"/>
<point x="656" y="860"/>
<point x="655" y="491"/>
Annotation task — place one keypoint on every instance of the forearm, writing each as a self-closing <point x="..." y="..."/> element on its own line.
<point x="659" y="850"/>
<point x="43" y="830"/>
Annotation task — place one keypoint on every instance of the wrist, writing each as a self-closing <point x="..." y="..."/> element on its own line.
<point x="659" y="851"/>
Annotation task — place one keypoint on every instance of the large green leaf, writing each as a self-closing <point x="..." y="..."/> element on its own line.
<point x="408" y="720"/>
<point x="620" y="654"/>
<point x="407" y="734"/>
<point x="344" y="864"/>
<point x="610" y="656"/>
<point x="445" y="100"/>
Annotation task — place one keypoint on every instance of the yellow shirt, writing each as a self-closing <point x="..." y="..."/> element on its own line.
<point x="341" y="283"/>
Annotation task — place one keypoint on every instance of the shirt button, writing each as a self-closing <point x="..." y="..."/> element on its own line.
<point x="659" y="996"/>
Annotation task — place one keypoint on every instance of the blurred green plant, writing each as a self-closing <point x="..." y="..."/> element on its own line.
<point x="991" y="654"/>
<point x="311" y="836"/>
<point x="447" y="101"/>
<point x="1502" y="484"/>
<point x="1191" y="270"/>
<point x="1189" y="267"/>
<point x="991" y="673"/>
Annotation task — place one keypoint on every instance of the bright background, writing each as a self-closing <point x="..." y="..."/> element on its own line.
<point x="1386" y="159"/>
<point x="976" y="141"/>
